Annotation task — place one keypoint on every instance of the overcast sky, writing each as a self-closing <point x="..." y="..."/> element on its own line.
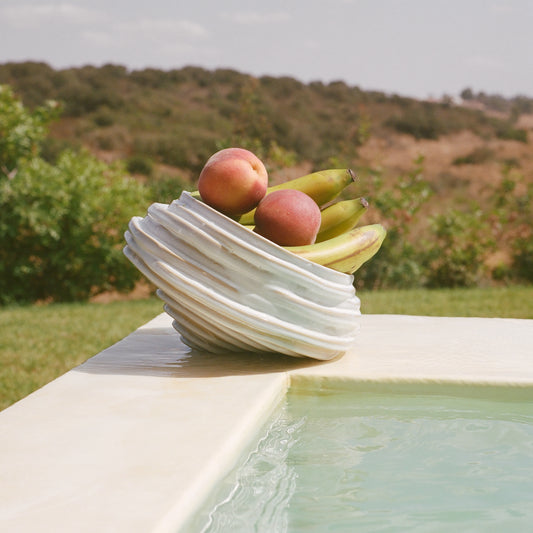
<point x="418" y="48"/>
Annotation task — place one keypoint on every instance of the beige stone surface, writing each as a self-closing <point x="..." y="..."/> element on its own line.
<point x="134" y="439"/>
<point x="437" y="349"/>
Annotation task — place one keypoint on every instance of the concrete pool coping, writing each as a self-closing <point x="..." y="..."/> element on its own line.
<point x="134" y="439"/>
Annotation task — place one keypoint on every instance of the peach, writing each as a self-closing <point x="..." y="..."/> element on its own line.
<point x="233" y="181"/>
<point x="288" y="217"/>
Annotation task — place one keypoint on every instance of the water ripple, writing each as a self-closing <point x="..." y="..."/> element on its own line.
<point x="347" y="462"/>
<point x="263" y="486"/>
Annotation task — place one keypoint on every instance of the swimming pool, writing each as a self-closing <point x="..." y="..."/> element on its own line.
<point x="349" y="461"/>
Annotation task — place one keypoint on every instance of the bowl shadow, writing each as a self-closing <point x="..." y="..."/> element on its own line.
<point x="159" y="351"/>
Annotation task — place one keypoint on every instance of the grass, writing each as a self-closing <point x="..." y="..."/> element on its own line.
<point x="505" y="302"/>
<point x="39" y="343"/>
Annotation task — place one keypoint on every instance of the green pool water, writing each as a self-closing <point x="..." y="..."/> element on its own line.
<point x="373" y="462"/>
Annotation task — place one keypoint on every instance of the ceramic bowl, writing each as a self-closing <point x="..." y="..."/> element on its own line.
<point x="229" y="289"/>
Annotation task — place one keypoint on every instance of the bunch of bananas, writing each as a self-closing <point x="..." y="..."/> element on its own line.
<point x="340" y="243"/>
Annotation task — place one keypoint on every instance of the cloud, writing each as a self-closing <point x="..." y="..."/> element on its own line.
<point x="159" y="39"/>
<point x="36" y="15"/>
<point x="484" y="62"/>
<point x="96" y="28"/>
<point x="501" y="7"/>
<point x="157" y="27"/>
<point x="254" y="17"/>
<point x="97" y="38"/>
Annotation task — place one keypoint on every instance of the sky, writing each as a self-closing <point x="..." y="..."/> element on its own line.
<point x="418" y="48"/>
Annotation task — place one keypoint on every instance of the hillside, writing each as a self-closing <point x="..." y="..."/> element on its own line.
<point x="165" y="124"/>
<point x="177" y="118"/>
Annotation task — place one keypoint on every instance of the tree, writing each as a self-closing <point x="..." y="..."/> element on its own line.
<point x="467" y="94"/>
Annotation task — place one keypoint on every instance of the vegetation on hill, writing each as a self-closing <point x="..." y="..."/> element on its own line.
<point x="179" y="117"/>
<point x="452" y="182"/>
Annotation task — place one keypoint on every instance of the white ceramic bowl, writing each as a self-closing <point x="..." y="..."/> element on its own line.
<point x="229" y="289"/>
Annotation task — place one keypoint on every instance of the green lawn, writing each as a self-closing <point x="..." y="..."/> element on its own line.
<point x="39" y="343"/>
<point x="505" y="302"/>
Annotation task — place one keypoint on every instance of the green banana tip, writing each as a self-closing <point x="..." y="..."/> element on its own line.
<point x="352" y="174"/>
<point x="364" y="203"/>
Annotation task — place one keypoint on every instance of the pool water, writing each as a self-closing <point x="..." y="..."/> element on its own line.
<point x="368" y="462"/>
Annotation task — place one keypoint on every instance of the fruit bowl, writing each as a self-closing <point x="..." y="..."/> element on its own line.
<point x="229" y="289"/>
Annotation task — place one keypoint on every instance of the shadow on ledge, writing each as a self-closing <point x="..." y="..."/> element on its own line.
<point x="160" y="352"/>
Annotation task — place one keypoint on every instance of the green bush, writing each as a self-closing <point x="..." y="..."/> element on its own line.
<point x="512" y="211"/>
<point x="505" y="129"/>
<point x="61" y="230"/>
<point x="138" y="164"/>
<point x="522" y="259"/>
<point x="104" y="117"/>
<point x="61" y="224"/>
<point x="460" y="243"/>
<point x="52" y="148"/>
<point x="165" y="188"/>
<point x="399" y="262"/>
<point x="420" y="123"/>
<point x="396" y="265"/>
<point x="21" y="131"/>
<point x="512" y="134"/>
<point x="477" y="156"/>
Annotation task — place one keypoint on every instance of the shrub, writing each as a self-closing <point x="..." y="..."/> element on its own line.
<point x="420" y="123"/>
<point x="165" y="188"/>
<point x="396" y="265"/>
<point x="184" y="152"/>
<point x="21" y="131"/>
<point x="513" y="210"/>
<point x="399" y="262"/>
<point x="61" y="230"/>
<point x="104" y="117"/>
<point x="460" y="243"/>
<point x="512" y="134"/>
<point x="522" y="259"/>
<point x="477" y="156"/>
<point x="61" y="224"/>
<point x="138" y="164"/>
<point x="505" y="129"/>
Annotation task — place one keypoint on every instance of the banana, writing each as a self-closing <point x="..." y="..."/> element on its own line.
<point x="340" y="217"/>
<point x="346" y="252"/>
<point x="322" y="186"/>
